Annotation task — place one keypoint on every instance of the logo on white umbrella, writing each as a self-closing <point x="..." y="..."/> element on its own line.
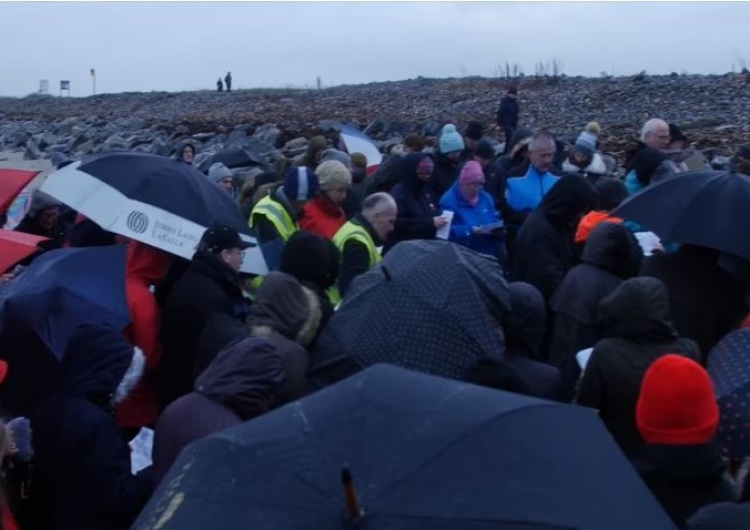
<point x="137" y="222"/>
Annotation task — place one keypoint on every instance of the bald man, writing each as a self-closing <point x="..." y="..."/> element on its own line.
<point x="358" y="240"/>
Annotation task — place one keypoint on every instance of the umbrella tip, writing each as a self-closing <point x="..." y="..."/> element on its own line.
<point x="354" y="513"/>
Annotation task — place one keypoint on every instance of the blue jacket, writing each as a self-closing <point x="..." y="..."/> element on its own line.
<point x="466" y="216"/>
<point x="525" y="193"/>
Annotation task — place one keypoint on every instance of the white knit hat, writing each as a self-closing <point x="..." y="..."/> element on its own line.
<point x="333" y="175"/>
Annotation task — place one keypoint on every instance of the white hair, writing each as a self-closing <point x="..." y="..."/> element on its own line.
<point x="539" y="138"/>
<point x="651" y="125"/>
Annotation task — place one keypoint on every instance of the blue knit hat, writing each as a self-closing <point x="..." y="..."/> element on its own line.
<point x="450" y="140"/>
<point x="300" y="184"/>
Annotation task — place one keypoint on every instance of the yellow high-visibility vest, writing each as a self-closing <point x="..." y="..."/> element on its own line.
<point x="277" y="214"/>
<point x="348" y="232"/>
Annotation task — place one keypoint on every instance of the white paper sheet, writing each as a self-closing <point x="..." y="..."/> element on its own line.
<point x="140" y="450"/>
<point x="648" y="242"/>
<point x="445" y="232"/>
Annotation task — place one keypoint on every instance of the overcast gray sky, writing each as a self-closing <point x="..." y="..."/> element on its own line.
<point x="174" y="46"/>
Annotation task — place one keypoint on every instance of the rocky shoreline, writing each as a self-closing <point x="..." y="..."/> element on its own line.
<point x="713" y="111"/>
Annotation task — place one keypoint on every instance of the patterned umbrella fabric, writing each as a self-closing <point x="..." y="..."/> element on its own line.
<point x="729" y="367"/>
<point x="430" y="306"/>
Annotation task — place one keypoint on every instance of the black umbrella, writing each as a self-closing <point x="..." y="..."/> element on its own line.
<point x="252" y="154"/>
<point x="156" y="200"/>
<point x="707" y="208"/>
<point x="393" y="449"/>
<point x="41" y="309"/>
<point x="431" y="306"/>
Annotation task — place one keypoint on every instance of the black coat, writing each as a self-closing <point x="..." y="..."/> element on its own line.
<point x="684" y="478"/>
<point x="635" y="320"/>
<point x="417" y="204"/>
<point x="446" y="173"/>
<point x="543" y="250"/>
<point x="507" y="112"/>
<point x="209" y="286"/>
<point x="721" y="516"/>
<point x="611" y="254"/>
<point x="524" y="336"/>
<point x="81" y="467"/>
<point x="355" y="259"/>
<point x="706" y="302"/>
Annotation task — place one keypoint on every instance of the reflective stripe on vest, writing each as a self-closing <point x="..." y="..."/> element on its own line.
<point x="277" y="214"/>
<point x="352" y="231"/>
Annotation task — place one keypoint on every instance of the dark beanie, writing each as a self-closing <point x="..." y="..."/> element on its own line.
<point x="311" y="258"/>
<point x="677" y="403"/>
<point x="676" y="134"/>
<point x="610" y="192"/>
<point x="484" y="150"/>
<point x="474" y="131"/>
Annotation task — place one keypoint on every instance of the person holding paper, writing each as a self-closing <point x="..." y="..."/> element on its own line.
<point x="418" y="212"/>
<point x="476" y="224"/>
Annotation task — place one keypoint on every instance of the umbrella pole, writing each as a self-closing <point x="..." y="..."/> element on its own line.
<point x="354" y="513"/>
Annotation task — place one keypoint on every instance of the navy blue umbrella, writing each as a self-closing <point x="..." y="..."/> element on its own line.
<point x="416" y="452"/>
<point x="39" y="311"/>
<point x="153" y="199"/>
<point x="708" y="208"/>
<point x="729" y="367"/>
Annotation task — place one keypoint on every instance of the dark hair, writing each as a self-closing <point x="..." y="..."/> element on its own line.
<point x="414" y="142"/>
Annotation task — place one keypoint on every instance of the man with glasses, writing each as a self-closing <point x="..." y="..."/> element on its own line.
<point x="209" y="287"/>
<point x="654" y="134"/>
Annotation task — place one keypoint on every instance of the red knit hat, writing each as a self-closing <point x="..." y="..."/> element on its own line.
<point x="677" y="405"/>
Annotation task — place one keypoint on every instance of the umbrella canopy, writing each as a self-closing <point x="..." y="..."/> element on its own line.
<point x="40" y="309"/>
<point x="423" y="452"/>
<point x="708" y="208"/>
<point x="156" y="200"/>
<point x="252" y="154"/>
<point x="16" y="246"/>
<point x="729" y="367"/>
<point x="358" y="142"/>
<point x="12" y="182"/>
<point x="431" y="306"/>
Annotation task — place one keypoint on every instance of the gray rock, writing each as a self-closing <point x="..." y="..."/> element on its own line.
<point x="32" y="150"/>
<point x="84" y="148"/>
<point x="295" y="147"/>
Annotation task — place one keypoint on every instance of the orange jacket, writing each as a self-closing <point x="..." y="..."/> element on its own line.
<point x="589" y="222"/>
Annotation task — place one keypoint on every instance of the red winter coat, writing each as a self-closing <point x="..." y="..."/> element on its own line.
<point x="320" y="216"/>
<point x="145" y="266"/>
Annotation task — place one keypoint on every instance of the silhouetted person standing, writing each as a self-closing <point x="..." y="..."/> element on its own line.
<point x="228" y="81"/>
<point x="507" y="116"/>
<point x="219" y="85"/>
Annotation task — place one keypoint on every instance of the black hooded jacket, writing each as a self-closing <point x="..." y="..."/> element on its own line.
<point x="209" y="286"/>
<point x="417" y="203"/>
<point x="706" y="302"/>
<point x="524" y="335"/>
<point x="635" y="322"/>
<point x="611" y="254"/>
<point x="543" y="250"/>
<point x="82" y="475"/>
<point x="685" y="478"/>
<point x="445" y="174"/>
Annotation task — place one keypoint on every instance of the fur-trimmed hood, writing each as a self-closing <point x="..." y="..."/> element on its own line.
<point x="286" y="307"/>
<point x="596" y="167"/>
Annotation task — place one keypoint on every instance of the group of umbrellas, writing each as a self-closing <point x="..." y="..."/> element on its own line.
<point x="383" y="446"/>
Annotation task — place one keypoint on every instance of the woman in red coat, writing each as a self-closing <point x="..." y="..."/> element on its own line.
<point x="145" y="266"/>
<point x="323" y="214"/>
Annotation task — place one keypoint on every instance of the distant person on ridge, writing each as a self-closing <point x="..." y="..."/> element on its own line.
<point x="228" y="81"/>
<point x="507" y="116"/>
<point x="219" y="86"/>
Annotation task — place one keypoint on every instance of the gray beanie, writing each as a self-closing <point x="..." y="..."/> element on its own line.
<point x="218" y="172"/>
<point x="335" y="154"/>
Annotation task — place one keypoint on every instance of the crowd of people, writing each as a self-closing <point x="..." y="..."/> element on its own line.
<point x="209" y="347"/>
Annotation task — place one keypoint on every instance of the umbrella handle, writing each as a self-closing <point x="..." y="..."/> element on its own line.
<point x="354" y="512"/>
